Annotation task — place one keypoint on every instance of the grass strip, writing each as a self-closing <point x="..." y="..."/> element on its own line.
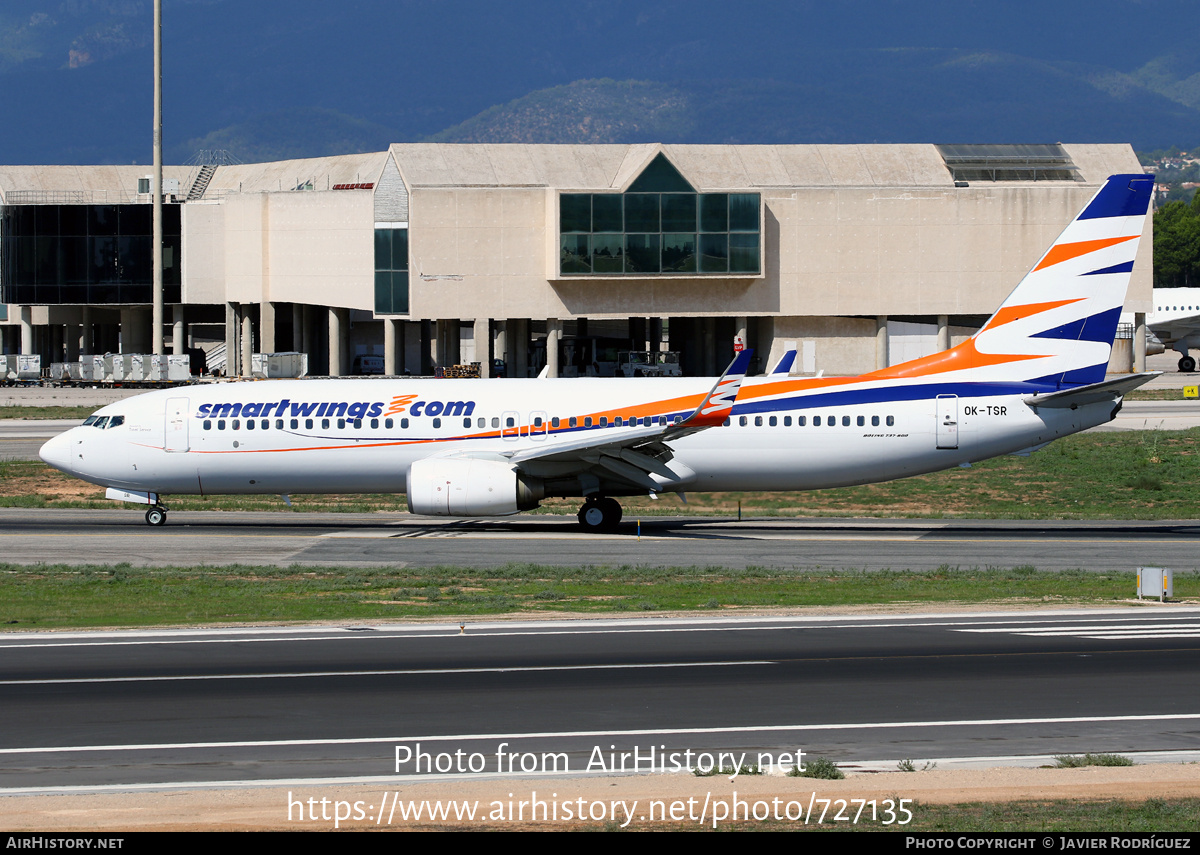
<point x="54" y="596"/>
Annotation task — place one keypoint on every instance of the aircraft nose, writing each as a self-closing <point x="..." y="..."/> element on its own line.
<point x="57" y="451"/>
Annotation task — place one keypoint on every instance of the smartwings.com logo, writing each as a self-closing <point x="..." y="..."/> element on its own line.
<point x="408" y="404"/>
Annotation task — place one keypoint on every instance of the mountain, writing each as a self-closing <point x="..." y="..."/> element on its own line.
<point x="269" y="80"/>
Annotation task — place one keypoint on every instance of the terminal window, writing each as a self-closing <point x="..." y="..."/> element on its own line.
<point x="391" y="271"/>
<point x="660" y="225"/>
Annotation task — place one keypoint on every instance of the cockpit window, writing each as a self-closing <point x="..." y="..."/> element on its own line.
<point x="100" y="422"/>
<point x="90" y="420"/>
<point x="114" y="421"/>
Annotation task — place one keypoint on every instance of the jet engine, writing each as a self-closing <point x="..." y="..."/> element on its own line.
<point x="470" y="487"/>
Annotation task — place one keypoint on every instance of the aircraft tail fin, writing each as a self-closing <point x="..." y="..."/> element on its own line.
<point x="1056" y="328"/>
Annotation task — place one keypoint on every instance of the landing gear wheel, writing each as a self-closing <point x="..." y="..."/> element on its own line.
<point x="600" y="514"/>
<point x="156" y="516"/>
<point x="1187" y="364"/>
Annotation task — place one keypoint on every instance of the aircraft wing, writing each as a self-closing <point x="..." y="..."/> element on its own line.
<point x="636" y="452"/>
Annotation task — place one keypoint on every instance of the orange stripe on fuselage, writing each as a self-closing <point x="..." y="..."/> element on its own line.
<point x="1066" y="251"/>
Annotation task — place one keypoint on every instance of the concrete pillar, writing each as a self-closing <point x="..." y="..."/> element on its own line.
<point x="307" y="344"/>
<point x="881" y="342"/>
<point x="500" y="344"/>
<point x="943" y="340"/>
<point x="87" y="341"/>
<point x="266" y="327"/>
<point x="656" y="334"/>
<point x="339" y="329"/>
<point x="178" y="331"/>
<point x="231" y="340"/>
<point x="483" y="345"/>
<point x="74" y="336"/>
<point x="553" y="337"/>
<point x="389" y="346"/>
<point x="247" y="312"/>
<point x="297" y="327"/>
<point x="1139" y="342"/>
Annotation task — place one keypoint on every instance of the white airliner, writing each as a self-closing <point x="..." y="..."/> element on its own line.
<point x="465" y="448"/>
<point x="1176" y="321"/>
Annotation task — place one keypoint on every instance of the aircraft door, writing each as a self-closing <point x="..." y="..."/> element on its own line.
<point x="947" y="421"/>
<point x="177" y="425"/>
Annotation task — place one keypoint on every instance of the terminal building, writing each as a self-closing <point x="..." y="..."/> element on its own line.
<point x="536" y="256"/>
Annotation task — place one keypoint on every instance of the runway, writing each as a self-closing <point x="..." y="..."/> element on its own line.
<point x="34" y="536"/>
<point x="364" y="703"/>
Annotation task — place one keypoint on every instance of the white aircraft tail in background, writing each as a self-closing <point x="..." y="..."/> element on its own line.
<point x="1033" y="373"/>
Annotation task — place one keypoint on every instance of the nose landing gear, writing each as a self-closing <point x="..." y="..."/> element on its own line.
<point x="157" y="515"/>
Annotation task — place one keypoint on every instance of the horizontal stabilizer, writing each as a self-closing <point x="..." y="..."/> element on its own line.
<point x="1106" y="390"/>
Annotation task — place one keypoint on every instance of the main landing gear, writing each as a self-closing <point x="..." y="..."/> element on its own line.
<point x="1187" y="364"/>
<point x="600" y="514"/>
<point x="157" y="515"/>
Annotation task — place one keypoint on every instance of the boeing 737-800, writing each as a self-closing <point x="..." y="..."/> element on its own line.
<point x="1034" y="372"/>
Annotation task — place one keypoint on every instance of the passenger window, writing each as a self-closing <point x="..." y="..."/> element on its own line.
<point x="236" y="424"/>
<point x="845" y="421"/>
<point x="574" y="421"/>
<point x="891" y="420"/>
<point x="481" y="423"/>
<point x="773" y="421"/>
<point x="249" y="424"/>
<point x="587" y="421"/>
<point x="604" y="421"/>
<point x="861" y="421"/>
<point x="787" y="421"/>
<point x="801" y="421"/>
<point x="358" y="424"/>
<point x="404" y="424"/>
<point x="495" y="422"/>
<point x="555" y="422"/>
<point x="726" y="424"/>
<point x="510" y="422"/>
<point x="208" y="424"/>
<point x="437" y="423"/>
<point x="758" y="421"/>
<point x="308" y="424"/>
<point x="388" y="423"/>
<point x="220" y="424"/>
<point x="341" y="424"/>
<point x="537" y="421"/>
<point x="266" y="424"/>
<point x="466" y="423"/>
<point x="874" y="421"/>
<point x="816" y="421"/>
<point x="374" y="424"/>
<point x="618" y="422"/>
<point x="743" y="421"/>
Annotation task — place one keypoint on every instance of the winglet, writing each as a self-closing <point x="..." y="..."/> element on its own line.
<point x="718" y="403"/>
<point x="785" y="362"/>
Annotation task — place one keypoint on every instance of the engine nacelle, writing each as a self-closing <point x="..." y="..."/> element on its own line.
<point x="469" y="487"/>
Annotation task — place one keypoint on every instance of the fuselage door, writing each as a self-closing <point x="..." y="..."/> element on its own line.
<point x="947" y="421"/>
<point x="177" y="424"/>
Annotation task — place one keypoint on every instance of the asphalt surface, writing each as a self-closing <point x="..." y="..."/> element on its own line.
<point x="347" y="703"/>
<point x="34" y="536"/>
